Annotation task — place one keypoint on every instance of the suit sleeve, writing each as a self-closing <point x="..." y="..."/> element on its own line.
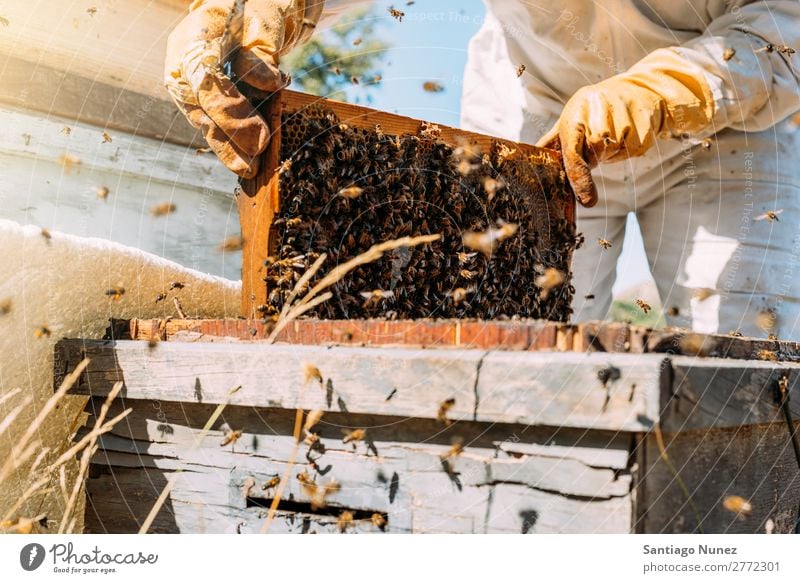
<point x="748" y="58"/>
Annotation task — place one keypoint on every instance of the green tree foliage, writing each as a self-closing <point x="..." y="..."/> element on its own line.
<point x="343" y="62"/>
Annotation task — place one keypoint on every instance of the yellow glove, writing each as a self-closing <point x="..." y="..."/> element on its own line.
<point x="660" y="96"/>
<point x="197" y="50"/>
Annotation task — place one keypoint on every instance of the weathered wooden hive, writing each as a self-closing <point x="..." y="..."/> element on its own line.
<point x="339" y="178"/>
<point x="497" y="427"/>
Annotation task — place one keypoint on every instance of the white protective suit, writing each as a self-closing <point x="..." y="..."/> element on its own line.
<point x="696" y="201"/>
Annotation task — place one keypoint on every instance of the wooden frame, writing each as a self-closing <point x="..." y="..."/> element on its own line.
<point x="259" y="198"/>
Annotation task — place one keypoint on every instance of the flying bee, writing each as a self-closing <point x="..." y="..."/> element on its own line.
<point x="106" y="138"/>
<point x="604" y="243"/>
<point x="357" y="41"/>
<point x="355" y="435"/>
<point x="444" y="408"/>
<point x="101" y="192"/>
<point x="379" y="520"/>
<point x="673" y="311"/>
<point x="643" y="305"/>
<point x="487" y="241"/>
<point x="397" y="14"/>
<point x="354" y="80"/>
<point x="766" y="320"/>
<point x="232" y="243"/>
<point x="520" y="70"/>
<point x="701" y="294"/>
<point x="68" y="162"/>
<point x="152" y="343"/>
<point x="46" y="235"/>
<point x="589" y="297"/>
<point x="271" y="483"/>
<point x="550" y="278"/>
<point x="42" y="332"/>
<point x="161" y="297"/>
<point x="345" y="519"/>
<point x="460" y="294"/>
<point x="729" y="53"/>
<point x="432" y="87"/>
<point x="91" y="11"/>
<point x="231" y="436"/>
<point x="377" y="79"/>
<point x="738" y="505"/>
<point x="492" y="186"/>
<point x="456" y="448"/>
<point x="336" y="71"/>
<point x="350" y="192"/>
<point x="5" y="306"/>
<point x="312" y="373"/>
<point x="312" y="418"/>
<point x="163" y="209"/>
<point x="176" y="285"/>
<point x="771" y="216"/>
<point x="116" y="292"/>
<point x="374" y="297"/>
<point x="66" y="130"/>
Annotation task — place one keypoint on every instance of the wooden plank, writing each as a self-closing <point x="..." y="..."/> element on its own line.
<point x="400" y="474"/>
<point x="754" y="462"/>
<point x="513" y="387"/>
<point x="77" y="99"/>
<point x="258" y="201"/>
<point x="715" y="392"/>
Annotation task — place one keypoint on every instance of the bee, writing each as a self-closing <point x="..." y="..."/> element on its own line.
<point x="4" y="21"/>
<point x="272" y="482"/>
<point x="769" y="355"/>
<point x="42" y="332"/>
<point x="101" y="192"/>
<point x="643" y="305"/>
<point x="162" y="209"/>
<point x="444" y="408"/>
<point x="231" y="436"/>
<point x="397" y="14"/>
<point x="701" y="294"/>
<point x="773" y="337"/>
<point x="432" y="87"/>
<point x="357" y="41"/>
<point x="350" y="192"/>
<point x="487" y="241"/>
<point x="464" y="257"/>
<point x="374" y="297"/>
<point x="152" y="343"/>
<point x="66" y="130"/>
<point x="467" y="274"/>
<point x="729" y="53"/>
<point x="734" y="333"/>
<point x="492" y="186"/>
<point x="520" y="70"/>
<point x="179" y="308"/>
<point x="706" y="144"/>
<point x="589" y="297"/>
<point x="46" y="235"/>
<point x="312" y="418"/>
<point x="673" y="311"/>
<point x="604" y="243"/>
<point x="247" y="486"/>
<point x="465" y="167"/>
<point x="91" y="11"/>
<point x="771" y="216"/>
<point x="390" y="395"/>
<point x="68" y="162"/>
<point x="766" y="320"/>
<point x="106" y="138"/>
<point x="311" y="439"/>
<point x="312" y="373"/>
<point x="161" y="297"/>
<point x="344" y="521"/>
<point x="232" y="243"/>
<point x="377" y="79"/>
<point x="176" y="285"/>
<point x="460" y="294"/>
<point x="355" y="435"/>
<point x="456" y="448"/>
<point x="550" y="278"/>
<point x="336" y="71"/>
<point x="116" y="292"/>
<point x="5" y="306"/>
<point x="379" y="520"/>
<point x="738" y="505"/>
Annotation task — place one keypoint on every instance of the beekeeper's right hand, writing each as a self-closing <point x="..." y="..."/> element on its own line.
<point x="197" y="51"/>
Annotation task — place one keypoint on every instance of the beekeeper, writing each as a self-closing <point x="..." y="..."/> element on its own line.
<point x="677" y="111"/>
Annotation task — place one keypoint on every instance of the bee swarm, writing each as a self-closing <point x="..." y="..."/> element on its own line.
<point x="344" y="189"/>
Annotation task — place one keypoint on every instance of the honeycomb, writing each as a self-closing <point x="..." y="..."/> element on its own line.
<point x="416" y="185"/>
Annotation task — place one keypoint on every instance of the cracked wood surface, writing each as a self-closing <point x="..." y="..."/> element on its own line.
<point x="398" y="471"/>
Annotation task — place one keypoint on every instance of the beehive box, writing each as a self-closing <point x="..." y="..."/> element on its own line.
<point x="557" y="424"/>
<point x="339" y="178"/>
